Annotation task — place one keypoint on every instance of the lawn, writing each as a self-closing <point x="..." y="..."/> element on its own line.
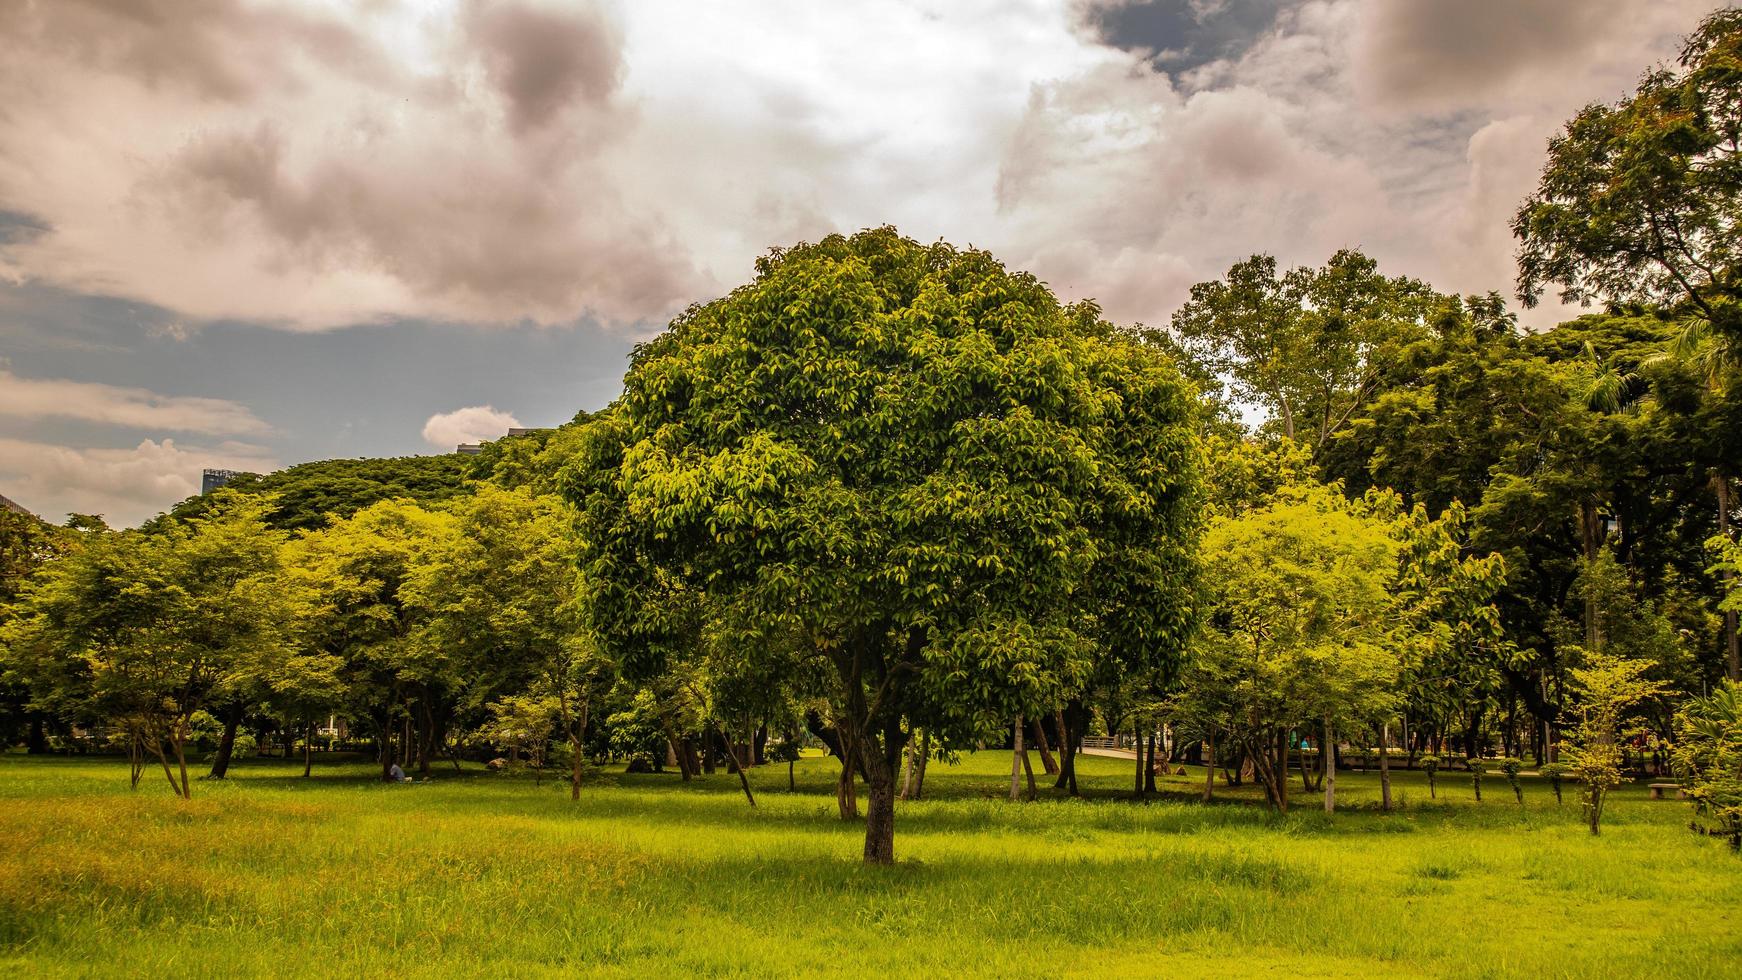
<point x="481" y="874"/>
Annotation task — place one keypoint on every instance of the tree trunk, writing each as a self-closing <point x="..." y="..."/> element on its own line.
<point x="1590" y="538"/>
<point x="1149" y="766"/>
<point x="1047" y="762"/>
<point x="1329" y="761"/>
<point x="1069" y="737"/>
<point x="924" y="758"/>
<point x="738" y="765"/>
<point x="1028" y="772"/>
<point x="1017" y="757"/>
<point x="1282" y="772"/>
<point x="907" y="770"/>
<point x="227" y="743"/>
<point x="1732" y="643"/>
<point x="687" y="762"/>
<point x="1209" y="763"/>
<point x="846" y="788"/>
<point x="386" y="738"/>
<point x="308" y="749"/>
<point x="179" y="738"/>
<point x="36" y="743"/>
<point x="880" y="811"/>
<point x="1385" y="767"/>
<point x="135" y="757"/>
<point x="1137" y="750"/>
<point x="577" y="736"/>
<point x="156" y="744"/>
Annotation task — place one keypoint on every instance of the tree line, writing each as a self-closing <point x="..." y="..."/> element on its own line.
<point x="899" y="499"/>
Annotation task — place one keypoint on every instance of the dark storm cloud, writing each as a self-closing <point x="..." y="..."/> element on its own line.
<point x="1446" y="53"/>
<point x="217" y="49"/>
<point x="545" y="61"/>
<point x="1183" y="34"/>
<point x="16" y="227"/>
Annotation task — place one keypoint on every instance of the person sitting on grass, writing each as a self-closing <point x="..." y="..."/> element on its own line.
<point x="396" y="774"/>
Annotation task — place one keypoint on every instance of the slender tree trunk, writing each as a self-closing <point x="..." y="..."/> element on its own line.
<point x="1149" y="766"/>
<point x="1209" y="763"/>
<point x="1028" y="772"/>
<point x="1017" y="757"/>
<point x="924" y="758"/>
<point x="135" y="756"/>
<point x="1732" y="643"/>
<point x="156" y="744"/>
<point x="739" y="765"/>
<point x="846" y="788"/>
<point x="1329" y="761"/>
<point x="907" y="769"/>
<point x="226" y="742"/>
<point x="1385" y="767"/>
<point x="1282" y="772"/>
<point x="1047" y="762"/>
<point x="179" y="739"/>
<point x="308" y="749"/>
<point x="1137" y="750"/>
<point x="1069" y="737"/>
<point x="577" y="737"/>
<point x="1590" y="536"/>
<point x="426" y="737"/>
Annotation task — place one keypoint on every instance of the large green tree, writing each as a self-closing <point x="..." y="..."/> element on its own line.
<point x="1639" y="200"/>
<point x="1297" y="633"/>
<point x="909" y="458"/>
<point x="1310" y="345"/>
<point x="140" y="629"/>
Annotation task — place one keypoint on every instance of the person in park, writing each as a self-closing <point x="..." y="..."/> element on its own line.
<point x="396" y="774"/>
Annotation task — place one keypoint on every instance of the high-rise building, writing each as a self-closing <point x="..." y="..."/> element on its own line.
<point x="213" y="479"/>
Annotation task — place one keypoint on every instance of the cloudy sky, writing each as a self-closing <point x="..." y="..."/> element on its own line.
<point x="243" y="234"/>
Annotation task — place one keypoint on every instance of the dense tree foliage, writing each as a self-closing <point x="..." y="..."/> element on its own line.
<point x="897" y="501"/>
<point x="911" y="463"/>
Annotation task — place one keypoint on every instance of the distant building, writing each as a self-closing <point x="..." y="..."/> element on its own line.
<point x="213" y="479"/>
<point x="474" y="448"/>
<point x="15" y="507"/>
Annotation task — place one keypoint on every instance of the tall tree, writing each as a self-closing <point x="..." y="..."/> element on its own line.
<point x="141" y="629"/>
<point x="901" y="454"/>
<point x="1639" y="201"/>
<point x="1297" y="632"/>
<point x="1308" y="346"/>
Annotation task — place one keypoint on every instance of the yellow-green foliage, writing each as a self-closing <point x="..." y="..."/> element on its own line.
<point x="492" y="875"/>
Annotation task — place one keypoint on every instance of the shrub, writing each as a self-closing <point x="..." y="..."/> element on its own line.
<point x="1554" y="772"/>
<point x="1478" y="769"/>
<point x="1512" y="767"/>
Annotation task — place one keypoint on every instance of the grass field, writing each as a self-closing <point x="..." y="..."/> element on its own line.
<point x="476" y="874"/>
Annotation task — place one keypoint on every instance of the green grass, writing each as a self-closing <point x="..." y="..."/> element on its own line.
<point x="479" y="874"/>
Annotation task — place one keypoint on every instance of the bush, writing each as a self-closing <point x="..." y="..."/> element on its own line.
<point x="1555" y="772"/>
<point x="1512" y="767"/>
<point x="1478" y="769"/>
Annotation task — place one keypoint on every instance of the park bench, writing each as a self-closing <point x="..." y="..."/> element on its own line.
<point x="1658" y="788"/>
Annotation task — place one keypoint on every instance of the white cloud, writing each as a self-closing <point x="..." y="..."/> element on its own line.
<point x="467" y="425"/>
<point x="125" y="485"/>
<point x="314" y="165"/>
<point x="31" y="399"/>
